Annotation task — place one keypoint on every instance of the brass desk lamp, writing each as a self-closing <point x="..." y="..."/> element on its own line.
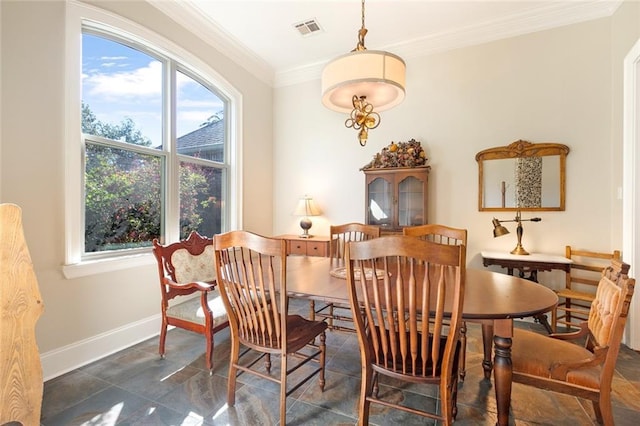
<point x="499" y="230"/>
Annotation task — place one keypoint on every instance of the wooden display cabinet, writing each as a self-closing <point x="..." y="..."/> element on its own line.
<point x="396" y="197"/>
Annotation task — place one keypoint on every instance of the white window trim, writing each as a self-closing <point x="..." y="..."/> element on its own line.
<point x="75" y="266"/>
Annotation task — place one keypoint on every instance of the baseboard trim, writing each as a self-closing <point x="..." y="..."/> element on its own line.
<point x="70" y="357"/>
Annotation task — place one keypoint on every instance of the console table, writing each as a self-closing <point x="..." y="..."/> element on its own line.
<point x="528" y="264"/>
<point x="316" y="245"/>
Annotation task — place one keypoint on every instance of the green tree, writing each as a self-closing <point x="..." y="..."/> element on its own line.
<point x="123" y="206"/>
<point x="122" y="188"/>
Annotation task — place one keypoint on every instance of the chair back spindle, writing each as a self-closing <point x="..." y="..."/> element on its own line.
<point x="406" y="297"/>
<point x="345" y="233"/>
<point x="251" y="271"/>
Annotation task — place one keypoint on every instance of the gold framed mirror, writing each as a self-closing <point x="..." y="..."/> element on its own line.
<point x="522" y="176"/>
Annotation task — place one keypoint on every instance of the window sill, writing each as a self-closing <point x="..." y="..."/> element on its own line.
<point x="101" y="266"/>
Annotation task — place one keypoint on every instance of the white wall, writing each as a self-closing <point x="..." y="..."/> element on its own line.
<point x="91" y="316"/>
<point x="551" y="86"/>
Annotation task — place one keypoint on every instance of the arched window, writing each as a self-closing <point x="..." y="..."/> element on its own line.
<point x="157" y="147"/>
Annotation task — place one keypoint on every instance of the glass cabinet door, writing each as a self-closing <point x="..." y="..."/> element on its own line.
<point x="410" y="202"/>
<point x="380" y="202"/>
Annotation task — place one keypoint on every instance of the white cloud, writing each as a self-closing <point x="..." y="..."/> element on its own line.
<point x="112" y="58"/>
<point x="145" y="81"/>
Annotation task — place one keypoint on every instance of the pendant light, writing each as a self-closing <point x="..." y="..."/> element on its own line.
<point x="362" y="80"/>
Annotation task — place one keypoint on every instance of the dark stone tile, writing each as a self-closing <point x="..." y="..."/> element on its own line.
<point x="252" y="407"/>
<point x="200" y="395"/>
<point x="340" y="394"/>
<point x="345" y="362"/>
<point x="625" y="394"/>
<point x="121" y="366"/>
<point x="625" y="416"/>
<point x="386" y="415"/>
<point x="159" y="379"/>
<point x="471" y="416"/>
<point x="179" y="389"/>
<point x="154" y="414"/>
<point x="268" y="385"/>
<point x="107" y="407"/>
<point x="540" y="407"/>
<point x="302" y="413"/>
<point x="67" y="390"/>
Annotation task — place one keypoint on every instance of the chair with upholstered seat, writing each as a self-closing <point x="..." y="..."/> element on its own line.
<point x="580" y="286"/>
<point x="251" y="273"/>
<point x="340" y="235"/>
<point x="442" y="234"/>
<point x="399" y="288"/>
<point x="553" y="362"/>
<point x="190" y="299"/>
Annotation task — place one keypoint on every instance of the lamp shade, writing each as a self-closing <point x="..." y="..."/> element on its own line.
<point x="498" y="229"/>
<point x="306" y="207"/>
<point x="375" y="74"/>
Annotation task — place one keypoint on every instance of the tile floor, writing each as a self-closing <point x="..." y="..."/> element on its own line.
<point x="136" y="387"/>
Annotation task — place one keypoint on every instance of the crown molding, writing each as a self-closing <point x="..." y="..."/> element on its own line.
<point x="188" y="15"/>
<point x="551" y="16"/>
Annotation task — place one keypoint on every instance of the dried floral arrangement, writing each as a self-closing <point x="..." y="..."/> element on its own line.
<point x="399" y="154"/>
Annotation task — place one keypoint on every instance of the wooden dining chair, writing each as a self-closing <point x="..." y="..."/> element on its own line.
<point x="399" y="290"/>
<point x="442" y="234"/>
<point x="340" y="236"/>
<point x="251" y="273"/>
<point x="186" y="269"/>
<point x="580" y="286"/>
<point x="553" y="362"/>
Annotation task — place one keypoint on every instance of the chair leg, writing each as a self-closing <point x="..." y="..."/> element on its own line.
<point x="267" y="362"/>
<point x="283" y="389"/>
<point x="487" y="344"/>
<point x="376" y="388"/>
<point x="312" y="310"/>
<point x="603" y="410"/>
<point x="366" y="389"/>
<point x="330" y="316"/>
<point x="233" y="373"/>
<point x="323" y="352"/>
<point x="447" y="404"/>
<point x="463" y="351"/>
<point x="454" y="399"/>
<point x="554" y="319"/>
<point x="163" y="338"/>
<point x="209" y="352"/>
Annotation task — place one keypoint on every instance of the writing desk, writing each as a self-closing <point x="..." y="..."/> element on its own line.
<point x="528" y="263"/>
<point x="490" y="298"/>
<point x="531" y="263"/>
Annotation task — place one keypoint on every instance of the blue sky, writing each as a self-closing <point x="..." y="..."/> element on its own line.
<point x="119" y="82"/>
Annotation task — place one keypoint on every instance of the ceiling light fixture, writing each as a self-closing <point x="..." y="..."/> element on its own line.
<point x="361" y="80"/>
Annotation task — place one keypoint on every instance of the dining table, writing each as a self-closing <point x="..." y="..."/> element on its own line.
<point x="491" y="298"/>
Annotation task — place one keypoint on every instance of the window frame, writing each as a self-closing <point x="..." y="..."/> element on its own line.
<point x="80" y="16"/>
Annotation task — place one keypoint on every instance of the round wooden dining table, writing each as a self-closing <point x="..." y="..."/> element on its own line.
<point x="490" y="298"/>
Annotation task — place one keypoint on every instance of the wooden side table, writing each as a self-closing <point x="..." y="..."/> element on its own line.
<point x="317" y="245"/>
<point x="528" y="264"/>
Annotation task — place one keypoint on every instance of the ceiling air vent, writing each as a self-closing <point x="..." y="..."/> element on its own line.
<point x="308" y="27"/>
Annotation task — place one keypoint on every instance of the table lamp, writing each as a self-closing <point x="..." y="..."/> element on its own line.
<point x="306" y="207"/>
<point x="499" y="230"/>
